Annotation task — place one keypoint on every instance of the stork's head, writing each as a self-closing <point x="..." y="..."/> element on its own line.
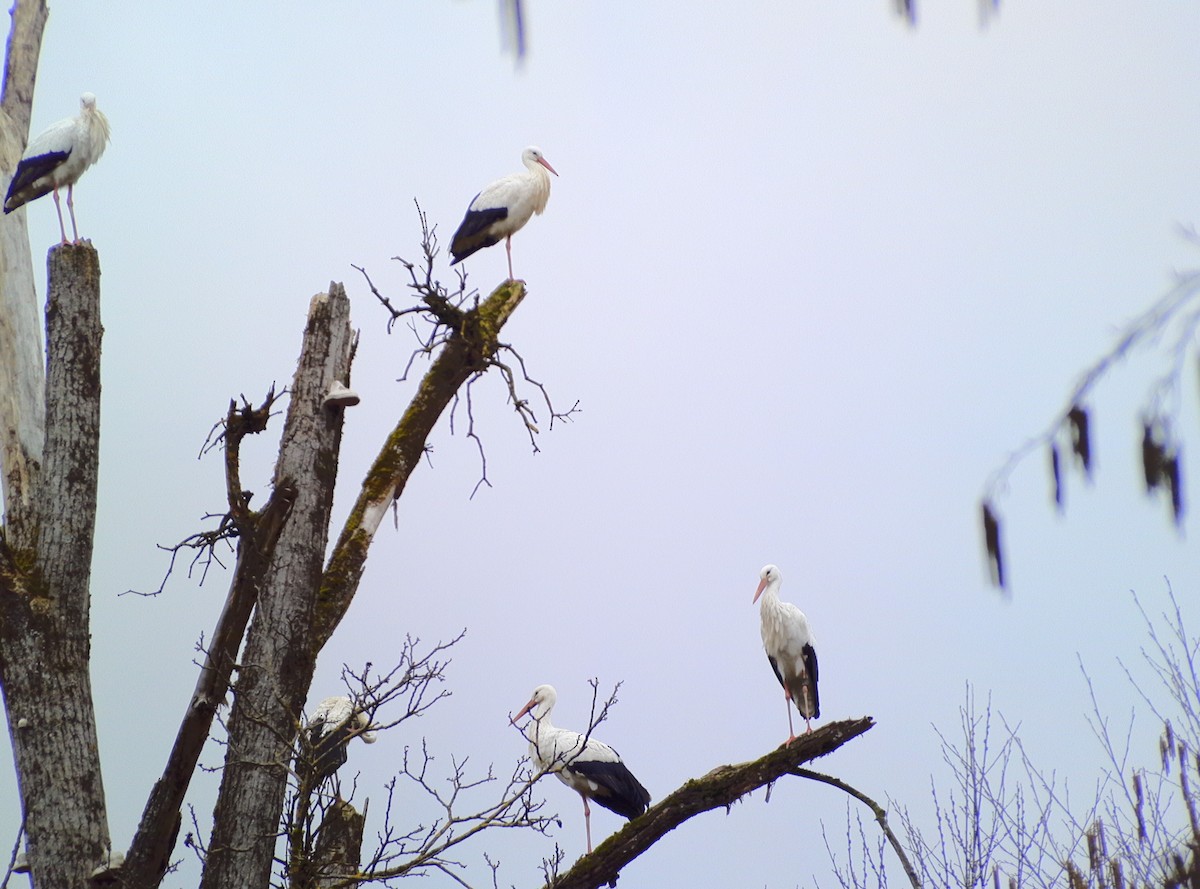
<point x="532" y="156"/>
<point x="541" y="702"/>
<point x="769" y="575"/>
<point x="87" y="101"/>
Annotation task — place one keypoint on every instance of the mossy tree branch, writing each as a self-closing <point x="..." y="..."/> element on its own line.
<point x="467" y="351"/>
<point x="720" y="788"/>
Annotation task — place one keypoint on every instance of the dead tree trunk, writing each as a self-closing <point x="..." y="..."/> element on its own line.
<point x="45" y="571"/>
<point x="275" y="672"/>
<point x="277" y="664"/>
<point x="22" y="376"/>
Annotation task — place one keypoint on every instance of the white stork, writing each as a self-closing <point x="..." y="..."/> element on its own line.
<point x="58" y="157"/>
<point x="587" y="766"/>
<point x="788" y="642"/>
<point x="503" y="208"/>
<point x="329" y="729"/>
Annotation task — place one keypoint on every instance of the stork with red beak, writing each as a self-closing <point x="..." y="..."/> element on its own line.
<point x="589" y="767"/>
<point x="788" y="642"/>
<point x="502" y="209"/>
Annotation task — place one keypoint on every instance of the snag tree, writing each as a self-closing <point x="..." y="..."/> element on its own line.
<point x="277" y="818"/>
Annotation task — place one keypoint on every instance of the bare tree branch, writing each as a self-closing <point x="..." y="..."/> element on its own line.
<point x="877" y="810"/>
<point x="1174" y="317"/>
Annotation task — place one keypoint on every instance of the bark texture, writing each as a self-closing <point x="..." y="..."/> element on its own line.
<point x="45" y="642"/>
<point x="277" y="664"/>
<point x="338" y="849"/>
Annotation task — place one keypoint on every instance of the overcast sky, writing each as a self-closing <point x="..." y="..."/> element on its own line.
<point x="811" y="275"/>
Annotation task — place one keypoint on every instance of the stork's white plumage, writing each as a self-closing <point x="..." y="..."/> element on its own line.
<point x="58" y="156"/>
<point x="587" y="766"/>
<point x="330" y="727"/>
<point x="503" y="208"/>
<point x="788" y="642"/>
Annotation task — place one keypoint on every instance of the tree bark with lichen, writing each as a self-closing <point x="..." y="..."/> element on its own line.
<point x="45" y="573"/>
<point x="299" y="608"/>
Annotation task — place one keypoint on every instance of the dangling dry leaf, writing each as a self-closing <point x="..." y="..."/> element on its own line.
<point x="1152" y="457"/>
<point x="1081" y="442"/>
<point x="1174" y="482"/>
<point x="991" y="540"/>
<point x="1056" y="472"/>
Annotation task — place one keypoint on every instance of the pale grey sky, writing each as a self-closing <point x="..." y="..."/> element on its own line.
<point x="811" y="275"/>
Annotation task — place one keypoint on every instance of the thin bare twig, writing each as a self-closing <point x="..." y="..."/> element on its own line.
<point x="877" y="810"/>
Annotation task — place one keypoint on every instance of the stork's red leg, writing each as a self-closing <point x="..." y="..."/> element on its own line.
<point x="58" y="209"/>
<point x="508" y="250"/>
<point x="71" y="210"/>
<point x="587" y="822"/>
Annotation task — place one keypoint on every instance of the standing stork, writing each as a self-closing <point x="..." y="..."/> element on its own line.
<point x="788" y="642"/>
<point x="57" y="157"/>
<point x="589" y="767"/>
<point x="502" y="209"/>
<point x="329" y="729"/>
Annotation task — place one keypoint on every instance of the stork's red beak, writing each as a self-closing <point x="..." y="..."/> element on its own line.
<point x="545" y="163"/>
<point x="762" y="585"/>
<point x="524" y="710"/>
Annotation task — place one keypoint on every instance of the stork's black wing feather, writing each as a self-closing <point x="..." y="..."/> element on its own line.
<point x="619" y="791"/>
<point x="810" y="666"/>
<point x="775" y="667"/>
<point x="473" y="232"/>
<point x="29" y="171"/>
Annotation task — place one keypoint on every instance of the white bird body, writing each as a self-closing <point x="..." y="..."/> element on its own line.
<point x="58" y="156"/>
<point x="502" y="209"/>
<point x="330" y="727"/>
<point x="788" y="642"/>
<point x="590" y="767"/>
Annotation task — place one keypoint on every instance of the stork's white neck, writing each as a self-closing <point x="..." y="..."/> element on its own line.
<point x="541" y="187"/>
<point x="770" y="608"/>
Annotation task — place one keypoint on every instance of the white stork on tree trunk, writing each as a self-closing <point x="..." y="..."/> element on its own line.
<point x="57" y="157"/>
<point x="503" y="208"/>
<point x="788" y="642"/>
<point x="333" y="724"/>
<point x="587" y="766"/>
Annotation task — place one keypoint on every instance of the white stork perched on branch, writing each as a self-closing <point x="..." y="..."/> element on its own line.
<point x="503" y="208"/>
<point x="788" y="642"/>
<point x="589" y="767"/>
<point x="329" y="729"/>
<point x="57" y="157"/>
